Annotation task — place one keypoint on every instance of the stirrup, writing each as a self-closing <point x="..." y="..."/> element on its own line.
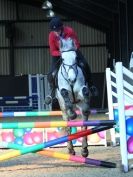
<point x="48" y="100"/>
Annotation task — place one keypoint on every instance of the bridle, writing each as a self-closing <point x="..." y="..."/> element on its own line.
<point x="73" y="66"/>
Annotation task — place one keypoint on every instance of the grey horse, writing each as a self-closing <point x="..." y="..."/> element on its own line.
<point x="72" y="92"/>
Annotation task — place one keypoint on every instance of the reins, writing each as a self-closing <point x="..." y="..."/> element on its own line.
<point x="70" y="67"/>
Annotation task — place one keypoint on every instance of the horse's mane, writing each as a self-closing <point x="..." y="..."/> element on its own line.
<point x="67" y="45"/>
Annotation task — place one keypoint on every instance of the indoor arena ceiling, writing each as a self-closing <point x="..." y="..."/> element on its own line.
<point x="97" y="13"/>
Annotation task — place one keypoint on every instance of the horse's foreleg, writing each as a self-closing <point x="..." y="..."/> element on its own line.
<point x="68" y="105"/>
<point x="69" y="143"/>
<point x="84" y="150"/>
<point x="85" y="114"/>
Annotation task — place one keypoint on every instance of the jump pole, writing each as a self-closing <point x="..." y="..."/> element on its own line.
<point x="15" y="125"/>
<point x="16" y="153"/>
<point x="54" y="154"/>
<point x="42" y="113"/>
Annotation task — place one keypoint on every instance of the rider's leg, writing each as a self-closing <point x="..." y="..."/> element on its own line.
<point x="87" y="72"/>
<point x="55" y="63"/>
<point x="50" y="96"/>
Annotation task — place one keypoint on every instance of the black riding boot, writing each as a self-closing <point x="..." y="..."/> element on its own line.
<point x="51" y="80"/>
<point x="87" y="73"/>
<point x="51" y="96"/>
<point x="55" y="64"/>
<point x="88" y="77"/>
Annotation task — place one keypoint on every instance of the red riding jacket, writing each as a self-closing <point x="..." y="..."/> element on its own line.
<point x="54" y="40"/>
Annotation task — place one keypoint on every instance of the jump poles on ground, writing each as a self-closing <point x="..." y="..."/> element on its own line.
<point x="65" y="156"/>
<point x="16" y="153"/>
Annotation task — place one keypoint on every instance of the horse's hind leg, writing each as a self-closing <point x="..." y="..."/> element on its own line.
<point x="68" y="105"/>
<point x="85" y="114"/>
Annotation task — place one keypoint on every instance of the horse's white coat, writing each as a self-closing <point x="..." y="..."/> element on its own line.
<point x="69" y="71"/>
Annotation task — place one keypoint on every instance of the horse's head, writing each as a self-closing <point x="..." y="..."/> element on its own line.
<point x="67" y="44"/>
<point x="69" y="61"/>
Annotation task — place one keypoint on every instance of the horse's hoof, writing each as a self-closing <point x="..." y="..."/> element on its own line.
<point x="84" y="152"/>
<point x="72" y="115"/>
<point x="71" y="151"/>
<point x="48" y="100"/>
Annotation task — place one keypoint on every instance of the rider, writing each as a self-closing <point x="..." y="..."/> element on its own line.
<point x="58" y="30"/>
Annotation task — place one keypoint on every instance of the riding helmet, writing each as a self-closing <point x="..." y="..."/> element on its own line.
<point x="55" y="24"/>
